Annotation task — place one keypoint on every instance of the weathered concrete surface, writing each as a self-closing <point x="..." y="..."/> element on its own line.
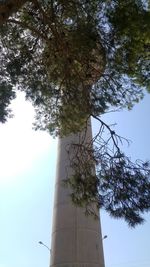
<point x="76" y="238"/>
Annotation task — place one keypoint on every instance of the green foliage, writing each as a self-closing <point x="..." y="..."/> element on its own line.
<point x="74" y="59"/>
<point x="131" y="31"/>
<point x="119" y="186"/>
<point x="124" y="188"/>
<point x="6" y="95"/>
<point x="6" y="92"/>
<point x="8" y="7"/>
<point x="70" y="55"/>
<point x="50" y="57"/>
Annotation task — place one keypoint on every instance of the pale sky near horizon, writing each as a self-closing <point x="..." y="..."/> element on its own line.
<point x="27" y="171"/>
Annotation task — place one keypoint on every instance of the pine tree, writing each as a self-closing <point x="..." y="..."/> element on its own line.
<point x="73" y="60"/>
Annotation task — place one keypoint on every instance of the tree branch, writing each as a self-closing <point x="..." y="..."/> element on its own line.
<point x="28" y="27"/>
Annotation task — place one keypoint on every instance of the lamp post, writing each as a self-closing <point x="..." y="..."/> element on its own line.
<point x="104" y="237"/>
<point x="41" y="243"/>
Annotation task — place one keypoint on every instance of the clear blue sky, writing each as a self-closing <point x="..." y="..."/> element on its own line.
<point x="27" y="171"/>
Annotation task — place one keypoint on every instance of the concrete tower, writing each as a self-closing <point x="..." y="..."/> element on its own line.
<point x="76" y="238"/>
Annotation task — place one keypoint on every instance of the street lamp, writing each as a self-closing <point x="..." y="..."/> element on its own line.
<point x="41" y="243"/>
<point x="104" y="237"/>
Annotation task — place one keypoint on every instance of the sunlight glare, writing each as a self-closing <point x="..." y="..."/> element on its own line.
<point x="20" y="145"/>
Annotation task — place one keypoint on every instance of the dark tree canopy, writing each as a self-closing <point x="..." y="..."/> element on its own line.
<point x="8" y="7"/>
<point x="73" y="60"/>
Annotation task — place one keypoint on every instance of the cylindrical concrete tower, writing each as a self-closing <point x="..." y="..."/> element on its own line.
<point x="76" y="238"/>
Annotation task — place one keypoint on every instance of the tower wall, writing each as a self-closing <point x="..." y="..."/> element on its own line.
<point x="76" y="238"/>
